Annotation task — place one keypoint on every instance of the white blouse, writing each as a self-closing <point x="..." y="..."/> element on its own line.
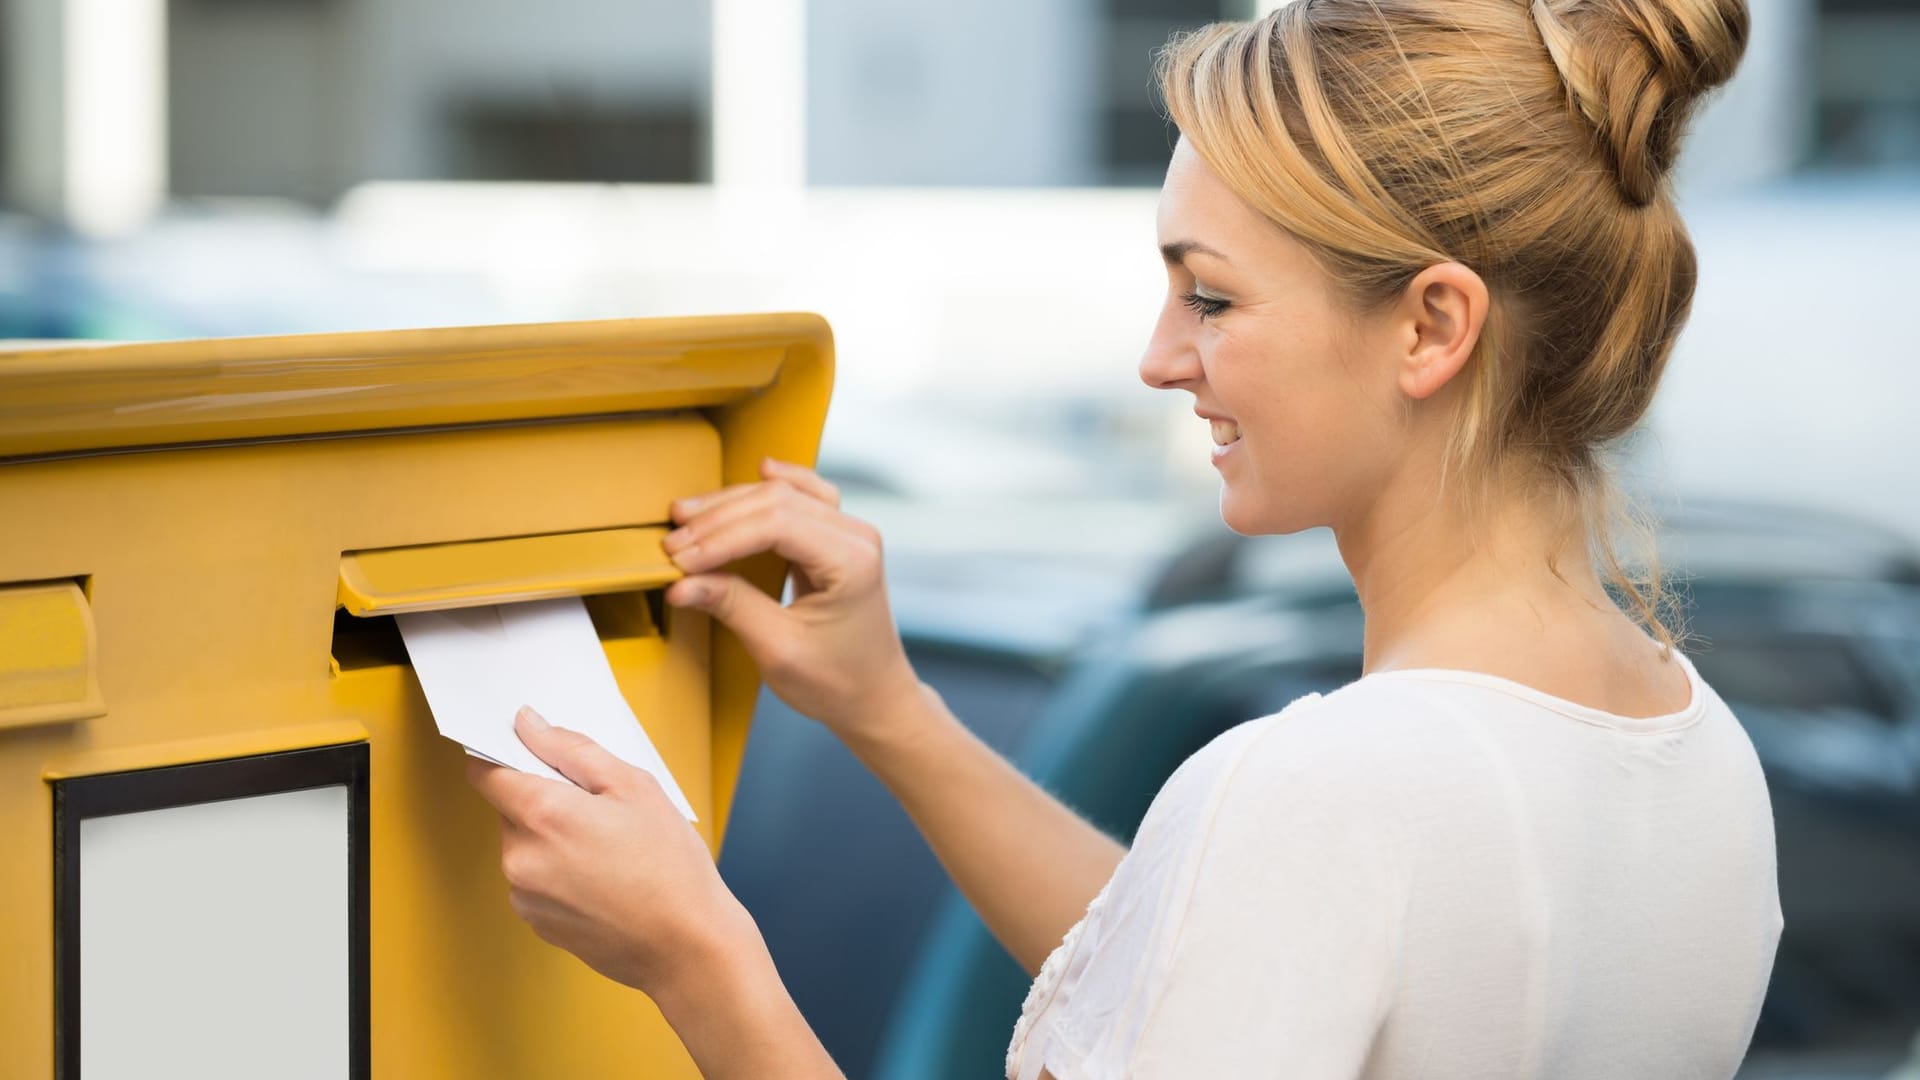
<point x="1434" y="874"/>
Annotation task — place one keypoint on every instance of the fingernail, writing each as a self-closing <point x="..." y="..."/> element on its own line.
<point x="534" y="720"/>
<point x="687" y="505"/>
<point x="680" y="557"/>
<point x="674" y="539"/>
<point x="693" y="595"/>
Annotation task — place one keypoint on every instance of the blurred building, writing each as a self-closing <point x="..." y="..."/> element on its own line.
<point x="302" y="99"/>
<point x="284" y="165"/>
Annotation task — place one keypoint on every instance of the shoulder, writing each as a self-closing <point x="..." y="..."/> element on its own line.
<point x="1374" y="758"/>
<point x="1349" y="742"/>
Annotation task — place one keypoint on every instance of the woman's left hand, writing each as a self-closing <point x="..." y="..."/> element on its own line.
<point x="609" y="870"/>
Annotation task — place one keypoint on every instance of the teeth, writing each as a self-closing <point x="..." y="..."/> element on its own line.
<point x="1224" y="432"/>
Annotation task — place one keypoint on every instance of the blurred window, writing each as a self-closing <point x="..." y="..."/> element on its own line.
<point x="1867" y="84"/>
<point x="999" y="93"/>
<point x="575" y="138"/>
<point x="1136" y="138"/>
<point x="301" y="99"/>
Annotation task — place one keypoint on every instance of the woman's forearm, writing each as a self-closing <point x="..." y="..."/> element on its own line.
<point x="1026" y="862"/>
<point x="736" y="1019"/>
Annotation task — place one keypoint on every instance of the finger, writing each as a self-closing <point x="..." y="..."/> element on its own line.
<point x="525" y="858"/>
<point x="821" y="550"/>
<point x="777" y="474"/>
<point x="572" y="754"/>
<point x="507" y="790"/>
<point x="768" y="498"/>
<point x="690" y="507"/>
<point x="752" y="615"/>
<point x="538" y="912"/>
<point x="477" y="769"/>
<point x="808" y="481"/>
<point x="753" y="498"/>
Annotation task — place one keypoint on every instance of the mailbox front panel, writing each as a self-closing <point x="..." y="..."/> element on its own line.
<point x="212" y="575"/>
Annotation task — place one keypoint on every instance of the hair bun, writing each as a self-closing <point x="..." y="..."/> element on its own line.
<point x="1636" y="68"/>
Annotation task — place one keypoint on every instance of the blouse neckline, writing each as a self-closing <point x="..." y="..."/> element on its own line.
<point x="1637" y="725"/>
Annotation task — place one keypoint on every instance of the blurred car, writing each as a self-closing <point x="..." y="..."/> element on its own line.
<point x="1808" y="625"/>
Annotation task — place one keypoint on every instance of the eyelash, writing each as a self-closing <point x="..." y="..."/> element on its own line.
<point x="1204" y="306"/>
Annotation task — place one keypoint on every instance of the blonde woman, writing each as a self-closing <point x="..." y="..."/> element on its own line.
<point x="1423" y="267"/>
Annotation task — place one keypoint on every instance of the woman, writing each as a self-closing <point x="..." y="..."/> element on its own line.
<point x="1424" y="267"/>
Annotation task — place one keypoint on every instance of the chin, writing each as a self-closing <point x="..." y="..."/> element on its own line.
<point x="1254" y="513"/>
<point x="1242" y="514"/>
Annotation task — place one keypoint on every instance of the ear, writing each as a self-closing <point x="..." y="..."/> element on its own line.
<point x="1439" y="319"/>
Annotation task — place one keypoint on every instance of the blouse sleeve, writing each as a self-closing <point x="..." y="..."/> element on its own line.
<point x="1270" y="949"/>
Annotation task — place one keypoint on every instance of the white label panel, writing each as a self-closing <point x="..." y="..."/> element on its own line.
<point x="213" y="940"/>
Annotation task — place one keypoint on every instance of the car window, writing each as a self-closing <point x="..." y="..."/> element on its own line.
<point x="1811" y="672"/>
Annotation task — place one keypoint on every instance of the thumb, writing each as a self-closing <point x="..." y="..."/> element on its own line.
<point x="751" y="614"/>
<point x="572" y="754"/>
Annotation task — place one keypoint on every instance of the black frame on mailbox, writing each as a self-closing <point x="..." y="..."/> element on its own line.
<point x="81" y="797"/>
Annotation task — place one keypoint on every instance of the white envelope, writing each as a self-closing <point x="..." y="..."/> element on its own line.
<point x="478" y="666"/>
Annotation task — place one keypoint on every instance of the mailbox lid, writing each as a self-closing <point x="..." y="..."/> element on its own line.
<point x="86" y="397"/>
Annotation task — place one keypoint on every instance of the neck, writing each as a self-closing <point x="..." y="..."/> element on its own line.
<point x="1438" y="592"/>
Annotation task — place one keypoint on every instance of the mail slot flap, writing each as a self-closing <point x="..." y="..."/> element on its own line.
<point x="48" y="665"/>
<point x="436" y="577"/>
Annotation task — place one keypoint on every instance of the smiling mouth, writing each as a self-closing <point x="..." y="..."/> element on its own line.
<point x="1225" y="432"/>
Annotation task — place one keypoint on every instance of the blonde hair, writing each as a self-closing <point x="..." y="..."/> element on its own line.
<point x="1530" y="142"/>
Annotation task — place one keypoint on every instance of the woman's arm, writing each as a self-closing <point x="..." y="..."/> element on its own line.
<point x="1027" y="863"/>
<point x="737" y="1021"/>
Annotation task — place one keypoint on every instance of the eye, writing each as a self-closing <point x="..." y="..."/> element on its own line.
<point x="1204" y="306"/>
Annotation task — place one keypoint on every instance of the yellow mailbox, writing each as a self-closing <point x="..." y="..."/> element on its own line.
<point x="234" y="842"/>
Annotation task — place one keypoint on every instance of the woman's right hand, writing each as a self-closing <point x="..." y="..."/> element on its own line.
<point x="834" y="653"/>
<point x="1027" y="863"/>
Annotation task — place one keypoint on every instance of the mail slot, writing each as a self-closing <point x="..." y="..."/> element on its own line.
<point x="206" y="544"/>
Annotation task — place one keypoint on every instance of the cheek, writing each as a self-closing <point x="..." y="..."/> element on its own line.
<point x="1308" y="439"/>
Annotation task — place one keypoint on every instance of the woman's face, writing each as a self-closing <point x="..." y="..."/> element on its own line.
<point x="1306" y="427"/>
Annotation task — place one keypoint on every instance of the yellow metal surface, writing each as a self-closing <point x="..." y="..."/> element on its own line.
<point x="435" y="577"/>
<point x="223" y="499"/>
<point x="236" y="388"/>
<point x="48" y="672"/>
<point x="232" y="744"/>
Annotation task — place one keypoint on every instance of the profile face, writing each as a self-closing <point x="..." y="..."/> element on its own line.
<point x="1306" y="431"/>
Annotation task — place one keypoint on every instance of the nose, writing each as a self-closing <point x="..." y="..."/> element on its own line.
<point x="1170" y="360"/>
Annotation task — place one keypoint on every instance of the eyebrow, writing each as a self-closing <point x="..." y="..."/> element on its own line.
<point x="1177" y="252"/>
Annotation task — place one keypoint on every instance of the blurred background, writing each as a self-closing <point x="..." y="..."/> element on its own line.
<point x="966" y="191"/>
